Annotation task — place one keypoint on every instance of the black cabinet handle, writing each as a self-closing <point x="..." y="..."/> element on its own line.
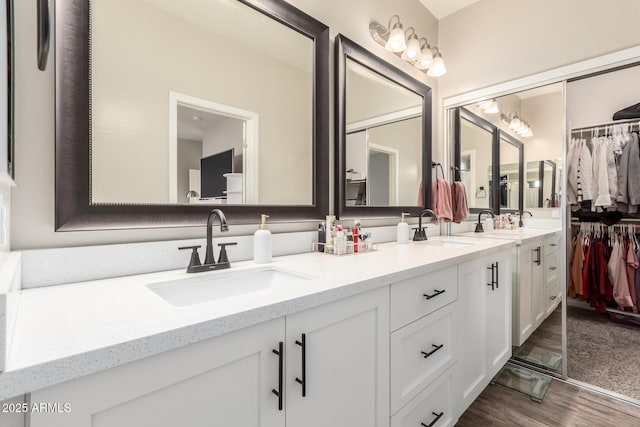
<point x="493" y="276"/>
<point x="435" y="294"/>
<point x="44" y="33"/>
<point x="537" y="251"/>
<point x="497" y="276"/>
<point x="435" y="420"/>
<point x="435" y="348"/>
<point x="553" y="297"/>
<point x="303" y="382"/>
<point x="552" y="268"/>
<point x="553" y="244"/>
<point x="278" y="392"/>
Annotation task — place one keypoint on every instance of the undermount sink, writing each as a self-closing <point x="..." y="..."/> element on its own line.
<point x="449" y="243"/>
<point x="195" y="290"/>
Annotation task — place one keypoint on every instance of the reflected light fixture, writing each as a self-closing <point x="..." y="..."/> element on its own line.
<point x="409" y="46"/>
<point x="516" y="124"/>
<point x="489" y="106"/>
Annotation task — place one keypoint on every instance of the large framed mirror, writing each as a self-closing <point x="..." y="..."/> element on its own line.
<point x="167" y="109"/>
<point x="542" y="184"/>
<point x="475" y="154"/>
<point x="511" y="174"/>
<point x="383" y="135"/>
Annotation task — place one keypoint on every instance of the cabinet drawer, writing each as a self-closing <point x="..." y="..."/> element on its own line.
<point x="419" y="353"/>
<point x="426" y="408"/>
<point x="551" y="245"/>
<point x="408" y="300"/>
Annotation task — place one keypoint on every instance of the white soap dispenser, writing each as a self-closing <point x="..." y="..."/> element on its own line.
<point x="262" y="243"/>
<point x="403" y="230"/>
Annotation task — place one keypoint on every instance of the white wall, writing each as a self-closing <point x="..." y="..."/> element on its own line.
<point x="494" y="41"/>
<point x="189" y="155"/>
<point x="33" y="225"/>
<point x="595" y="99"/>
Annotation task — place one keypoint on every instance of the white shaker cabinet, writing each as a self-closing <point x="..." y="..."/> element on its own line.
<point x="224" y="381"/>
<point x="236" y="379"/>
<point x="484" y="335"/>
<point x="345" y="364"/>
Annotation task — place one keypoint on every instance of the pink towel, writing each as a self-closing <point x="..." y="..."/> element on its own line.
<point x="459" y="202"/>
<point x="442" y="200"/>
<point x="420" y="190"/>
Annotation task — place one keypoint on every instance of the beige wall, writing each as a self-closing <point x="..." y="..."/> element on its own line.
<point x="594" y="100"/>
<point x="545" y="115"/>
<point x="130" y="104"/>
<point x="478" y="141"/>
<point x="33" y="208"/>
<point x="402" y="136"/>
<point x="494" y="41"/>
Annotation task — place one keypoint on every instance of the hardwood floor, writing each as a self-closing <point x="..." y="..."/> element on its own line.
<point x="564" y="405"/>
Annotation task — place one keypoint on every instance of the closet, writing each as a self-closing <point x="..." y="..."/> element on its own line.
<point x="603" y="194"/>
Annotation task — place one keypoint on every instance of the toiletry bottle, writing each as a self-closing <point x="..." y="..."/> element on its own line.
<point x="262" y="243"/>
<point x="330" y="233"/>
<point x="322" y="237"/>
<point x="356" y="232"/>
<point x="403" y="230"/>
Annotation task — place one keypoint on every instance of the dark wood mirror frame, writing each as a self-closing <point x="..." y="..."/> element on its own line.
<point x="74" y="210"/>
<point x="497" y="135"/>
<point x="462" y="113"/>
<point x="520" y="146"/>
<point x="345" y="48"/>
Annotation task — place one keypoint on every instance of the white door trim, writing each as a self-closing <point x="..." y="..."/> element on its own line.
<point x="250" y="148"/>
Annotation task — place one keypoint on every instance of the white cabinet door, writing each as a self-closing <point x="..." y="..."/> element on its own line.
<point x="484" y="337"/>
<point x="225" y="381"/>
<point x="471" y="370"/>
<point x="499" y="313"/>
<point x="357" y="153"/>
<point x="523" y="321"/>
<point x="345" y="364"/>
<point x="538" y="306"/>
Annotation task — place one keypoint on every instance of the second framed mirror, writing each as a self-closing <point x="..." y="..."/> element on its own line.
<point x="383" y="132"/>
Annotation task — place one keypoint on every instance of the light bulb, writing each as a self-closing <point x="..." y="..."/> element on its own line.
<point x="492" y="107"/>
<point x="515" y="123"/>
<point x="396" y="42"/>
<point x="425" y="59"/>
<point x="413" y="49"/>
<point x="437" y="68"/>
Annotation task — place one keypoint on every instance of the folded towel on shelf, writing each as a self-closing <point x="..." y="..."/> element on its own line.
<point x="459" y="202"/>
<point x="442" y="201"/>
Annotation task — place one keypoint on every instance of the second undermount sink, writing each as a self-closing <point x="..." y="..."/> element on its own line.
<point x="199" y="289"/>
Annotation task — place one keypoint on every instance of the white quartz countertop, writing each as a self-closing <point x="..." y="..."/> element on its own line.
<point x="68" y="331"/>
<point x="520" y="236"/>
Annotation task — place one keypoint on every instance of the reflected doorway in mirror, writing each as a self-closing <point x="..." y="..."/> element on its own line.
<point x="212" y="129"/>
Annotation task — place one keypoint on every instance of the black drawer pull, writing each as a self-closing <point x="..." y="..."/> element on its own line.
<point x="278" y="392"/>
<point x="435" y="294"/>
<point x="435" y="420"/>
<point x="552" y="268"/>
<point x="303" y="382"/>
<point x="553" y="297"/>
<point x="435" y="348"/>
<point x="553" y="244"/>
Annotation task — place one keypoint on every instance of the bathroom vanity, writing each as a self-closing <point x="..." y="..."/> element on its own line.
<point x="403" y="335"/>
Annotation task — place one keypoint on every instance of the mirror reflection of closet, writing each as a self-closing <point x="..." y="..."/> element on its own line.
<point x="543" y="179"/>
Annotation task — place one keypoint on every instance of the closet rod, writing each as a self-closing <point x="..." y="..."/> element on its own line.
<point x="623" y="222"/>
<point x="614" y="122"/>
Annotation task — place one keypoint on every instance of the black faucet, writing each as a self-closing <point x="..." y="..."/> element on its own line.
<point x="209" y="261"/>
<point x="479" y="228"/>
<point x="420" y="233"/>
<point x="520" y="223"/>
<point x="208" y="258"/>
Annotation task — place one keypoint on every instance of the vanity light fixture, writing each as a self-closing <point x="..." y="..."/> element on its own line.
<point x="409" y="46"/>
<point x="516" y="124"/>
<point x="489" y="106"/>
<point x="396" y="42"/>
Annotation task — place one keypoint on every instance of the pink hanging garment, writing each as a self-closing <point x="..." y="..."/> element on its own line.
<point x="632" y="266"/>
<point x="442" y="201"/>
<point x="460" y="205"/>
<point x="618" y="275"/>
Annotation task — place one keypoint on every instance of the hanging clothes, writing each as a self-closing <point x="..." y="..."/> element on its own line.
<point x="575" y="267"/>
